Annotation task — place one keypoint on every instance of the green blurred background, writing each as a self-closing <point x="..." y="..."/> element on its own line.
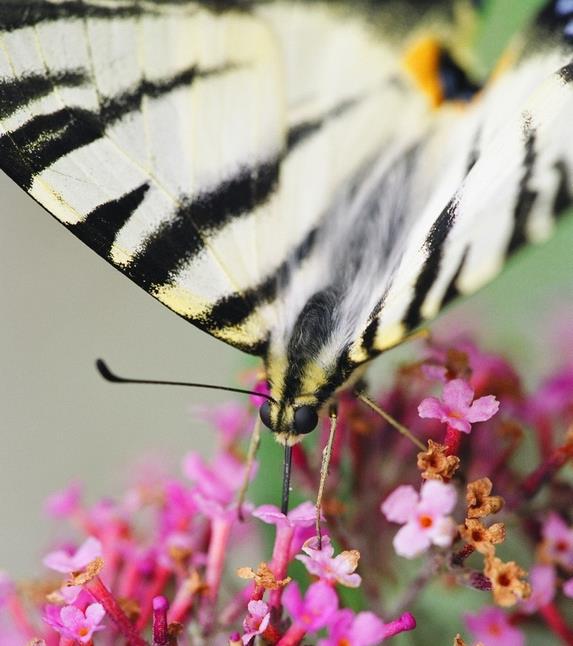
<point x="62" y="307"/>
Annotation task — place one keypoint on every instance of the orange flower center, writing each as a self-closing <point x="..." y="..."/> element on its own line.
<point x="495" y="630"/>
<point x="83" y="631"/>
<point x="477" y="536"/>
<point x="344" y="642"/>
<point x="425" y="521"/>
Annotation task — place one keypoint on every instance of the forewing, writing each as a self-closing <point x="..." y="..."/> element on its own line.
<point x="147" y="129"/>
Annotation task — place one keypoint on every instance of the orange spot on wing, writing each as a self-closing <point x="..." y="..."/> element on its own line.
<point x="422" y="61"/>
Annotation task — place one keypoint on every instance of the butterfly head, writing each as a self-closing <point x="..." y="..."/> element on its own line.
<point x="290" y="422"/>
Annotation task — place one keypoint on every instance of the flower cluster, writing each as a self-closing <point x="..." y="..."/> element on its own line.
<point x="183" y="560"/>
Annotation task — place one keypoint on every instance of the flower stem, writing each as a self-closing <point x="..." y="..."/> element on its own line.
<point x="19" y="616"/>
<point x="293" y="636"/>
<point x="98" y="589"/>
<point x="280" y="561"/>
<point x="183" y="602"/>
<point x="220" y="532"/>
<point x="452" y="440"/>
<point x="216" y="556"/>
<point x="547" y="469"/>
<point x="556" y="623"/>
<point x="404" y="623"/>
<point x="160" y="633"/>
<point x="157" y="585"/>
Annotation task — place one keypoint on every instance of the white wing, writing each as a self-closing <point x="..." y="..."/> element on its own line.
<point x="196" y="149"/>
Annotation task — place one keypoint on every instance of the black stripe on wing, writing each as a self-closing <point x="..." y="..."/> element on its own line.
<point x="298" y="133"/>
<point x="526" y="196"/>
<point x="435" y="250"/>
<point x="17" y="93"/>
<point x="181" y="238"/>
<point x="28" y="13"/>
<point x="234" y="310"/>
<point x="46" y="138"/>
<point x="101" y="226"/>
<point x="563" y="197"/>
<point x="115" y="108"/>
<point x="17" y="14"/>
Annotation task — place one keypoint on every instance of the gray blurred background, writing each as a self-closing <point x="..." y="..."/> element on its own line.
<point x="62" y="306"/>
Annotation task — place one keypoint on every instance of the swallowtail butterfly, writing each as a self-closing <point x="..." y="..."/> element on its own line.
<point x="306" y="181"/>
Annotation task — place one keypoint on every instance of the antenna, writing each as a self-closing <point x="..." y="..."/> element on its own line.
<point x="108" y="375"/>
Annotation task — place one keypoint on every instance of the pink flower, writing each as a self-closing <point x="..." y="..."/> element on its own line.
<point x="75" y="594"/>
<point x="315" y="610"/>
<point x="257" y="620"/>
<point x="218" y="482"/>
<point x="178" y="508"/>
<point x="568" y="588"/>
<point x="363" y="629"/>
<point x="456" y="409"/>
<point x="554" y="396"/>
<point x="74" y="624"/>
<point x="296" y="528"/>
<point x="262" y="386"/>
<point x="62" y="561"/>
<point x="491" y="626"/>
<point x="424" y="516"/>
<point x="543" y="582"/>
<point x="232" y="420"/>
<point x="302" y="516"/>
<point x="435" y="372"/>
<point x="558" y="537"/>
<point x="64" y="503"/>
<point x="321" y="563"/>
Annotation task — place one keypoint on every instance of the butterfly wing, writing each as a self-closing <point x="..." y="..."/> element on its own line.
<point x="194" y="145"/>
<point x="506" y="175"/>
<point x="121" y="120"/>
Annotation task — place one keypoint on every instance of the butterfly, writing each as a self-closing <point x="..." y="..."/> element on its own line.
<point x="309" y="182"/>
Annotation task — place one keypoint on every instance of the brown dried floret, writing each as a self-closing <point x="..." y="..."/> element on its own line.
<point x="479" y="501"/>
<point x="435" y="464"/>
<point x="263" y="577"/>
<point x="87" y="574"/>
<point x="458" y="641"/>
<point x="480" y="537"/>
<point x="506" y="581"/>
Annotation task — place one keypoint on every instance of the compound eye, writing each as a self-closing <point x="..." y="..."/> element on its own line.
<point x="305" y="420"/>
<point x="265" y="414"/>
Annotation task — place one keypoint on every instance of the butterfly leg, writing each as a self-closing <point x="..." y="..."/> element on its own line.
<point x="254" y="444"/>
<point x="326" y="455"/>
<point x="393" y="422"/>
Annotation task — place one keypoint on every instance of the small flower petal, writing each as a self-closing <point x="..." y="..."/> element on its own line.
<point x="410" y="541"/>
<point x="438" y="496"/>
<point x="482" y="409"/>
<point x="432" y="408"/>
<point x="458" y="394"/>
<point x="400" y="504"/>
